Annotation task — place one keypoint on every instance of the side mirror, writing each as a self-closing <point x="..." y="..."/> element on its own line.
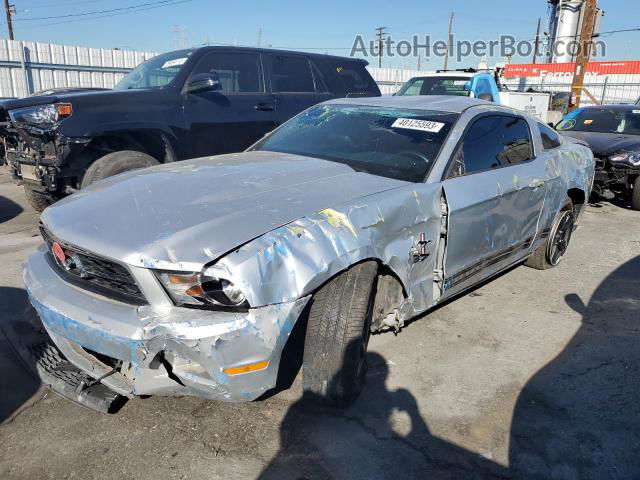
<point x="552" y="125"/>
<point x="203" y="81"/>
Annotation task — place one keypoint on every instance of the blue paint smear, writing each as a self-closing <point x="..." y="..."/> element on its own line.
<point x="122" y="348"/>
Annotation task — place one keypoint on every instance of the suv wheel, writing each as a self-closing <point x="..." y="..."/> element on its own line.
<point x="337" y="335"/>
<point x="114" y="163"/>
<point x="39" y="201"/>
<point x="551" y="252"/>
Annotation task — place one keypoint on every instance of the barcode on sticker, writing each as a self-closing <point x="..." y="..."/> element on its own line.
<point x="422" y="125"/>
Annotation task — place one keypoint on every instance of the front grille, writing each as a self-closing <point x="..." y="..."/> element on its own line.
<point x="92" y="272"/>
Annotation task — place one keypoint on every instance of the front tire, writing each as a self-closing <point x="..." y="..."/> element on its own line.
<point x="635" y="194"/>
<point x="551" y="253"/>
<point x="37" y="200"/>
<point x="114" y="163"/>
<point x="338" y="331"/>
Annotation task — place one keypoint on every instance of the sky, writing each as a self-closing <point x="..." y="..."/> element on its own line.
<point x="329" y="26"/>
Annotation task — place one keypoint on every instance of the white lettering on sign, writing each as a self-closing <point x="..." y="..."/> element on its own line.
<point x="422" y="125"/>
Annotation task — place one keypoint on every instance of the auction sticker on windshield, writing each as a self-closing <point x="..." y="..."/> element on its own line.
<point x="422" y="125"/>
<point x="174" y="63"/>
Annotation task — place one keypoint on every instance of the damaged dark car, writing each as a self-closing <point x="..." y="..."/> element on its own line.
<point x="178" y="105"/>
<point x="613" y="134"/>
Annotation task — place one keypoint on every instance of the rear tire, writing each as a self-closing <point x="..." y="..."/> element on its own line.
<point x="635" y="194"/>
<point x="114" y="163"/>
<point x="551" y="252"/>
<point x="37" y="200"/>
<point x="338" y="331"/>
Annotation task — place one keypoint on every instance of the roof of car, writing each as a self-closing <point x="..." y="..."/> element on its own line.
<point x="443" y="103"/>
<point x="277" y="51"/>
<point x="451" y="73"/>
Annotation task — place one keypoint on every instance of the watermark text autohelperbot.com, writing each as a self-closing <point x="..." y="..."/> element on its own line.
<point x="504" y="46"/>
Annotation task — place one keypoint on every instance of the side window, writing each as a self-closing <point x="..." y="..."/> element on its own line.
<point x="494" y="141"/>
<point x="290" y="74"/>
<point x="550" y="139"/>
<point x="238" y="72"/>
<point x="415" y="88"/>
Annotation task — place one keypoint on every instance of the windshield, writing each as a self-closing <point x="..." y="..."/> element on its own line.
<point x="602" y="120"/>
<point x="395" y="143"/>
<point x="155" y="72"/>
<point x="435" y="86"/>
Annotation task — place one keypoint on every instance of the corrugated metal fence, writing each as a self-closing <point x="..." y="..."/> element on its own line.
<point x="28" y="67"/>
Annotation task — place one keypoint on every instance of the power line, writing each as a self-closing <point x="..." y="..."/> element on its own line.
<point x="97" y="12"/>
<point x="153" y="7"/>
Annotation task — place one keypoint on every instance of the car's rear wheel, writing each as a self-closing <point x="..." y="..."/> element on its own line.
<point x="116" y="162"/>
<point x="337" y="336"/>
<point x="552" y="252"/>
<point x="635" y="194"/>
<point x="39" y="201"/>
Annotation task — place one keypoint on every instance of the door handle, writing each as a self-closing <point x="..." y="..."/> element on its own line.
<point x="536" y="183"/>
<point x="264" y="107"/>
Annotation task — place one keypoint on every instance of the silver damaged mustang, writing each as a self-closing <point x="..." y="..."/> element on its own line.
<point x="353" y="217"/>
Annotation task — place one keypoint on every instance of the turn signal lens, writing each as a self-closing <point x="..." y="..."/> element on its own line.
<point x="64" y="110"/>
<point x="252" y="367"/>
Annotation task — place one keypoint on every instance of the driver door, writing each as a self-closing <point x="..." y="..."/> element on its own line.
<point x="495" y="192"/>
<point x="235" y="116"/>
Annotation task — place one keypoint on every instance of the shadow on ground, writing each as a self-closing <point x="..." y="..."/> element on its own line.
<point x="577" y="418"/>
<point x="19" y="383"/>
<point x="8" y="209"/>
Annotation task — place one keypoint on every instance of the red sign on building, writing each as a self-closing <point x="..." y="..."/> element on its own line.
<point x="566" y="69"/>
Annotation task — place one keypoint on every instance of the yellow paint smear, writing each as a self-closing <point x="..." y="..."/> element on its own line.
<point x="338" y="219"/>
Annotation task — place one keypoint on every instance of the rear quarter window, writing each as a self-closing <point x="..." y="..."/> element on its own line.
<point x="347" y="77"/>
<point x="550" y="139"/>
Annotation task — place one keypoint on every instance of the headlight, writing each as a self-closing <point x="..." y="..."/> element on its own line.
<point x="632" y="159"/>
<point x="202" y="289"/>
<point x="43" y="116"/>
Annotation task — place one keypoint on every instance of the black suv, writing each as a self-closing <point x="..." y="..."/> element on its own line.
<point x="182" y="104"/>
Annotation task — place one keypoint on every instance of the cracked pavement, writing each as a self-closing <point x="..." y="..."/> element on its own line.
<point x="535" y="374"/>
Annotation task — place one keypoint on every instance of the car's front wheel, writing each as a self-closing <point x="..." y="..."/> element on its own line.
<point x="337" y="336"/>
<point x="635" y="194"/>
<point x="116" y="162"/>
<point x="39" y="201"/>
<point x="551" y="252"/>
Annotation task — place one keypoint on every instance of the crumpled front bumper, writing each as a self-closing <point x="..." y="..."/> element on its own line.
<point x="164" y="350"/>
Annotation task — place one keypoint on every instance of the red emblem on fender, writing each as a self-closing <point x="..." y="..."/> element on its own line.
<point x="58" y="252"/>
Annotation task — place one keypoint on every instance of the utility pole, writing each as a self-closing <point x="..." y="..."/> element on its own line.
<point x="9" y="9"/>
<point x="535" y="46"/>
<point x="379" y="37"/>
<point x="446" y="58"/>
<point x="259" y="36"/>
<point x="582" y="61"/>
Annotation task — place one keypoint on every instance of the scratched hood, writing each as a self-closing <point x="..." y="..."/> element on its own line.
<point x="186" y="214"/>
